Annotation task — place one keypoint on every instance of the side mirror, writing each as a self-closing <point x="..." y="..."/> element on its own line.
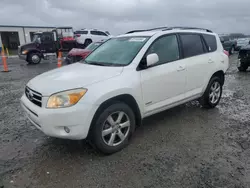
<point x="152" y="59"/>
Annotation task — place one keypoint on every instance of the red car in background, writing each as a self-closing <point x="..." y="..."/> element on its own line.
<point x="77" y="54"/>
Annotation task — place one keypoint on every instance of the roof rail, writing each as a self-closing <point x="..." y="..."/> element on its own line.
<point x="181" y="27"/>
<point x="169" y="28"/>
<point x="142" y="30"/>
<point x="134" y="31"/>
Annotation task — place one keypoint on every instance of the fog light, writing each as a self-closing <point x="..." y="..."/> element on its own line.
<point x="67" y="130"/>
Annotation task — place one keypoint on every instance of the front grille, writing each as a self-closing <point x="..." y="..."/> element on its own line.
<point x="33" y="96"/>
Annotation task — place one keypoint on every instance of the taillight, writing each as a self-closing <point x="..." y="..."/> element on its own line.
<point x="78" y="35"/>
<point x="226" y="52"/>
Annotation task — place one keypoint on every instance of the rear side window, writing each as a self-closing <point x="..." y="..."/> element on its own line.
<point x="211" y="42"/>
<point x="81" y="32"/>
<point x="192" y="45"/>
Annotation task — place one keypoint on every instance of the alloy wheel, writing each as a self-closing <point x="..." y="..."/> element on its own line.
<point x="215" y="92"/>
<point x="116" y="128"/>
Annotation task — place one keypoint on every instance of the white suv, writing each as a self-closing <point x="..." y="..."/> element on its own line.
<point x="124" y="80"/>
<point x="86" y="36"/>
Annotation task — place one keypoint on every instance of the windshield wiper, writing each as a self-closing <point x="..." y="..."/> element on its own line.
<point x="103" y="64"/>
<point x="96" y="63"/>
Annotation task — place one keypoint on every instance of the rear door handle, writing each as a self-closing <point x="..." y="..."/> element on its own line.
<point x="210" y="61"/>
<point x="181" y="68"/>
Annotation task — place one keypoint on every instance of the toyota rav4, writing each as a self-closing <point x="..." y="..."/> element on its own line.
<point x="126" y="79"/>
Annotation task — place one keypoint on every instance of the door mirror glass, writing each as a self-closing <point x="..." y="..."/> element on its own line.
<point x="152" y="59"/>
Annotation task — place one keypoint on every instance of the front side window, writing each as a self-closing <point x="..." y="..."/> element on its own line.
<point x="102" y="34"/>
<point x="36" y="38"/>
<point x="94" y="33"/>
<point x="117" y="51"/>
<point x="166" y="48"/>
<point x="192" y="45"/>
<point x="46" y="38"/>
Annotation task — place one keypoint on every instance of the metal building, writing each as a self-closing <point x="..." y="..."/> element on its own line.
<point x="13" y="36"/>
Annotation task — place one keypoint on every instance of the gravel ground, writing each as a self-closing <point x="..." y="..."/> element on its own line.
<point x="183" y="147"/>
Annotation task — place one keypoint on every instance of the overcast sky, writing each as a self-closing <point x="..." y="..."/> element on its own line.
<point x="119" y="16"/>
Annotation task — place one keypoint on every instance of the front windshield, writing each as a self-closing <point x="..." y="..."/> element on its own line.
<point x="36" y="39"/>
<point x="93" y="46"/>
<point x="117" y="51"/>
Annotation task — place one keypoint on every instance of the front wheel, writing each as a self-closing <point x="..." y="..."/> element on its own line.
<point x="212" y="95"/>
<point x="34" y="58"/>
<point x="112" y="128"/>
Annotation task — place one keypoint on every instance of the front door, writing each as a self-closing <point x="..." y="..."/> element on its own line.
<point x="164" y="83"/>
<point x="47" y="43"/>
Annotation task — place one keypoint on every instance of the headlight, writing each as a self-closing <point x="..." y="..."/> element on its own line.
<point x="25" y="52"/>
<point x="65" y="98"/>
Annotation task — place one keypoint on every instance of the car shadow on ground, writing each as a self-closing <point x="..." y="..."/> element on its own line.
<point x="150" y="125"/>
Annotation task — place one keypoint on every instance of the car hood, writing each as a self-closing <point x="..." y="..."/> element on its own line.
<point x="70" y="77"/>
<point x="28" y="46"/>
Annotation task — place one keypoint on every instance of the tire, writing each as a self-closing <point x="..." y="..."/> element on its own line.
<point x="87" y="42"/>
<point x="106" y="137"/>
<point x="243" y="68"/>
<point x="212" y="94"/>
<point x="232" y="50"/>
<point x="34" y="58"/>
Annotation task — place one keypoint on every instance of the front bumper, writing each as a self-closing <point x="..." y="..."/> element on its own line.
<point x="23" y="57"/>
<point x="52" y="121"/>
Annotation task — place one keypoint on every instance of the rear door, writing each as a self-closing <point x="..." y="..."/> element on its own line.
<point x="197" y="62"/>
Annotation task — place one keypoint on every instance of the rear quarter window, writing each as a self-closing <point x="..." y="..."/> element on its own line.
<point x="211" y="42"/>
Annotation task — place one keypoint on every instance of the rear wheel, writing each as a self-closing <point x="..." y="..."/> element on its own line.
<point x="112" y="128"/>
<point x="34" y="58"/>
<point x="212" y="95"/>
<point x="242" y="67"/>
<point x="87" y="42"/>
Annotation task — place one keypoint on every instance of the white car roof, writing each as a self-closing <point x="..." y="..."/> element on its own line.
<point x="158" y="31"/>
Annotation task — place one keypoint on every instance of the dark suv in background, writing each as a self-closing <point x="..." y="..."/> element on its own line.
<point x="228" y="45"/>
